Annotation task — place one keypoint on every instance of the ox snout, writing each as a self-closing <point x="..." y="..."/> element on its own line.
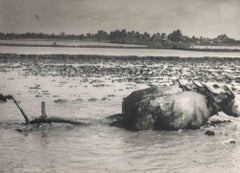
<point x="232" y="110"/>
<point x="235" y="112"/>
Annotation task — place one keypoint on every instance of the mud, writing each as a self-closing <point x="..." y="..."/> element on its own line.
<point x="130" y="69"/>
<point x="89" y="88"/>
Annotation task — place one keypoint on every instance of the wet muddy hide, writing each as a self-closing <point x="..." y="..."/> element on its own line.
<point x="165" y="108"/>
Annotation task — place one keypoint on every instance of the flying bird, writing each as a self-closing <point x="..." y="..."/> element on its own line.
<point x="37" y="17"/>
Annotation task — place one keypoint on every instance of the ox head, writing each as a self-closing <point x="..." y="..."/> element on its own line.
<point x="224" y="99"/>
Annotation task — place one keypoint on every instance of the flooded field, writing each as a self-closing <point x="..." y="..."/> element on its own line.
<point x="89" y="88"/>
<point x="216" y="47"/>
<point x="64" y="43"/>
<point x="115" y="52"/>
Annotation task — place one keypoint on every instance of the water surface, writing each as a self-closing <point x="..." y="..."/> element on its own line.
<point x="99" y="147"/>
<point x="115" y="52"/>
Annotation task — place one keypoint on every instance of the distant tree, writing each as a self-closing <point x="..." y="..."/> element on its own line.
<point x="174" y="39"/>
<point x="224" y="39"/>
<point x="89" y="36"/>
<point x="175" y="36"/>
<point x="101" y="36"/>
<point x="2" y="35"/>
<point x="114" y="35"/>
<point x="146" y="38"/>
<point x="118" y="36"/>
<point x="156" y="37"/>
<point x="163" y="36"/>
<point x="81" y="37"/>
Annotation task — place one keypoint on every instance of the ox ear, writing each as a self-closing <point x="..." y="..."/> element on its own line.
<point x="227" y="94"/>
<point x="218" y="97"/>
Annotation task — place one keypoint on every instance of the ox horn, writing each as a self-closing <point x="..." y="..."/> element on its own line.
<point x="231" y="93"/>
<point x="180" y="85"/>
<point x="206" y="88"/>
<point x="202" y="84"/>
<point x="198" y="86"/>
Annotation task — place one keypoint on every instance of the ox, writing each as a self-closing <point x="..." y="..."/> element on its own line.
<point x="173" y="108"/>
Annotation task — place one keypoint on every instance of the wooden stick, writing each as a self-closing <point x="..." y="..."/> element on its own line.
<point x="55" y="120"/>
<point x="23" y="113"/>
<point x="43" y="110"/>
<point x="43" y="118"/>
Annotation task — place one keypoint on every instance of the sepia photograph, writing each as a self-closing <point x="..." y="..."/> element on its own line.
<point x="119" y="86"/>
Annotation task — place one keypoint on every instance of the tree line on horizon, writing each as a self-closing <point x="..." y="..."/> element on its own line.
<point x="174" y="40"/>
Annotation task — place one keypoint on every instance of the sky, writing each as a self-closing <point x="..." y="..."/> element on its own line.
<point x="207" y="18"/>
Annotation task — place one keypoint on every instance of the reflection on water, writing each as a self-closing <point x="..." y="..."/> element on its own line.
<point x="99" y="147"/>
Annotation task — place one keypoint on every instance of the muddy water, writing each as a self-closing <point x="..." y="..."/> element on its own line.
<point x="64" y="43"/>
<point x="114" y="51"/>
<point x="99" y="147"/>
<point x="216" y="47"/>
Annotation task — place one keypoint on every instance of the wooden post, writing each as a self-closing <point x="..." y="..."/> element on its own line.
<point x="43" y="110"/>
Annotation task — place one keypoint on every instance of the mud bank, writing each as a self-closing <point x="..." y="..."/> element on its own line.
<point x="149" y="70"/>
